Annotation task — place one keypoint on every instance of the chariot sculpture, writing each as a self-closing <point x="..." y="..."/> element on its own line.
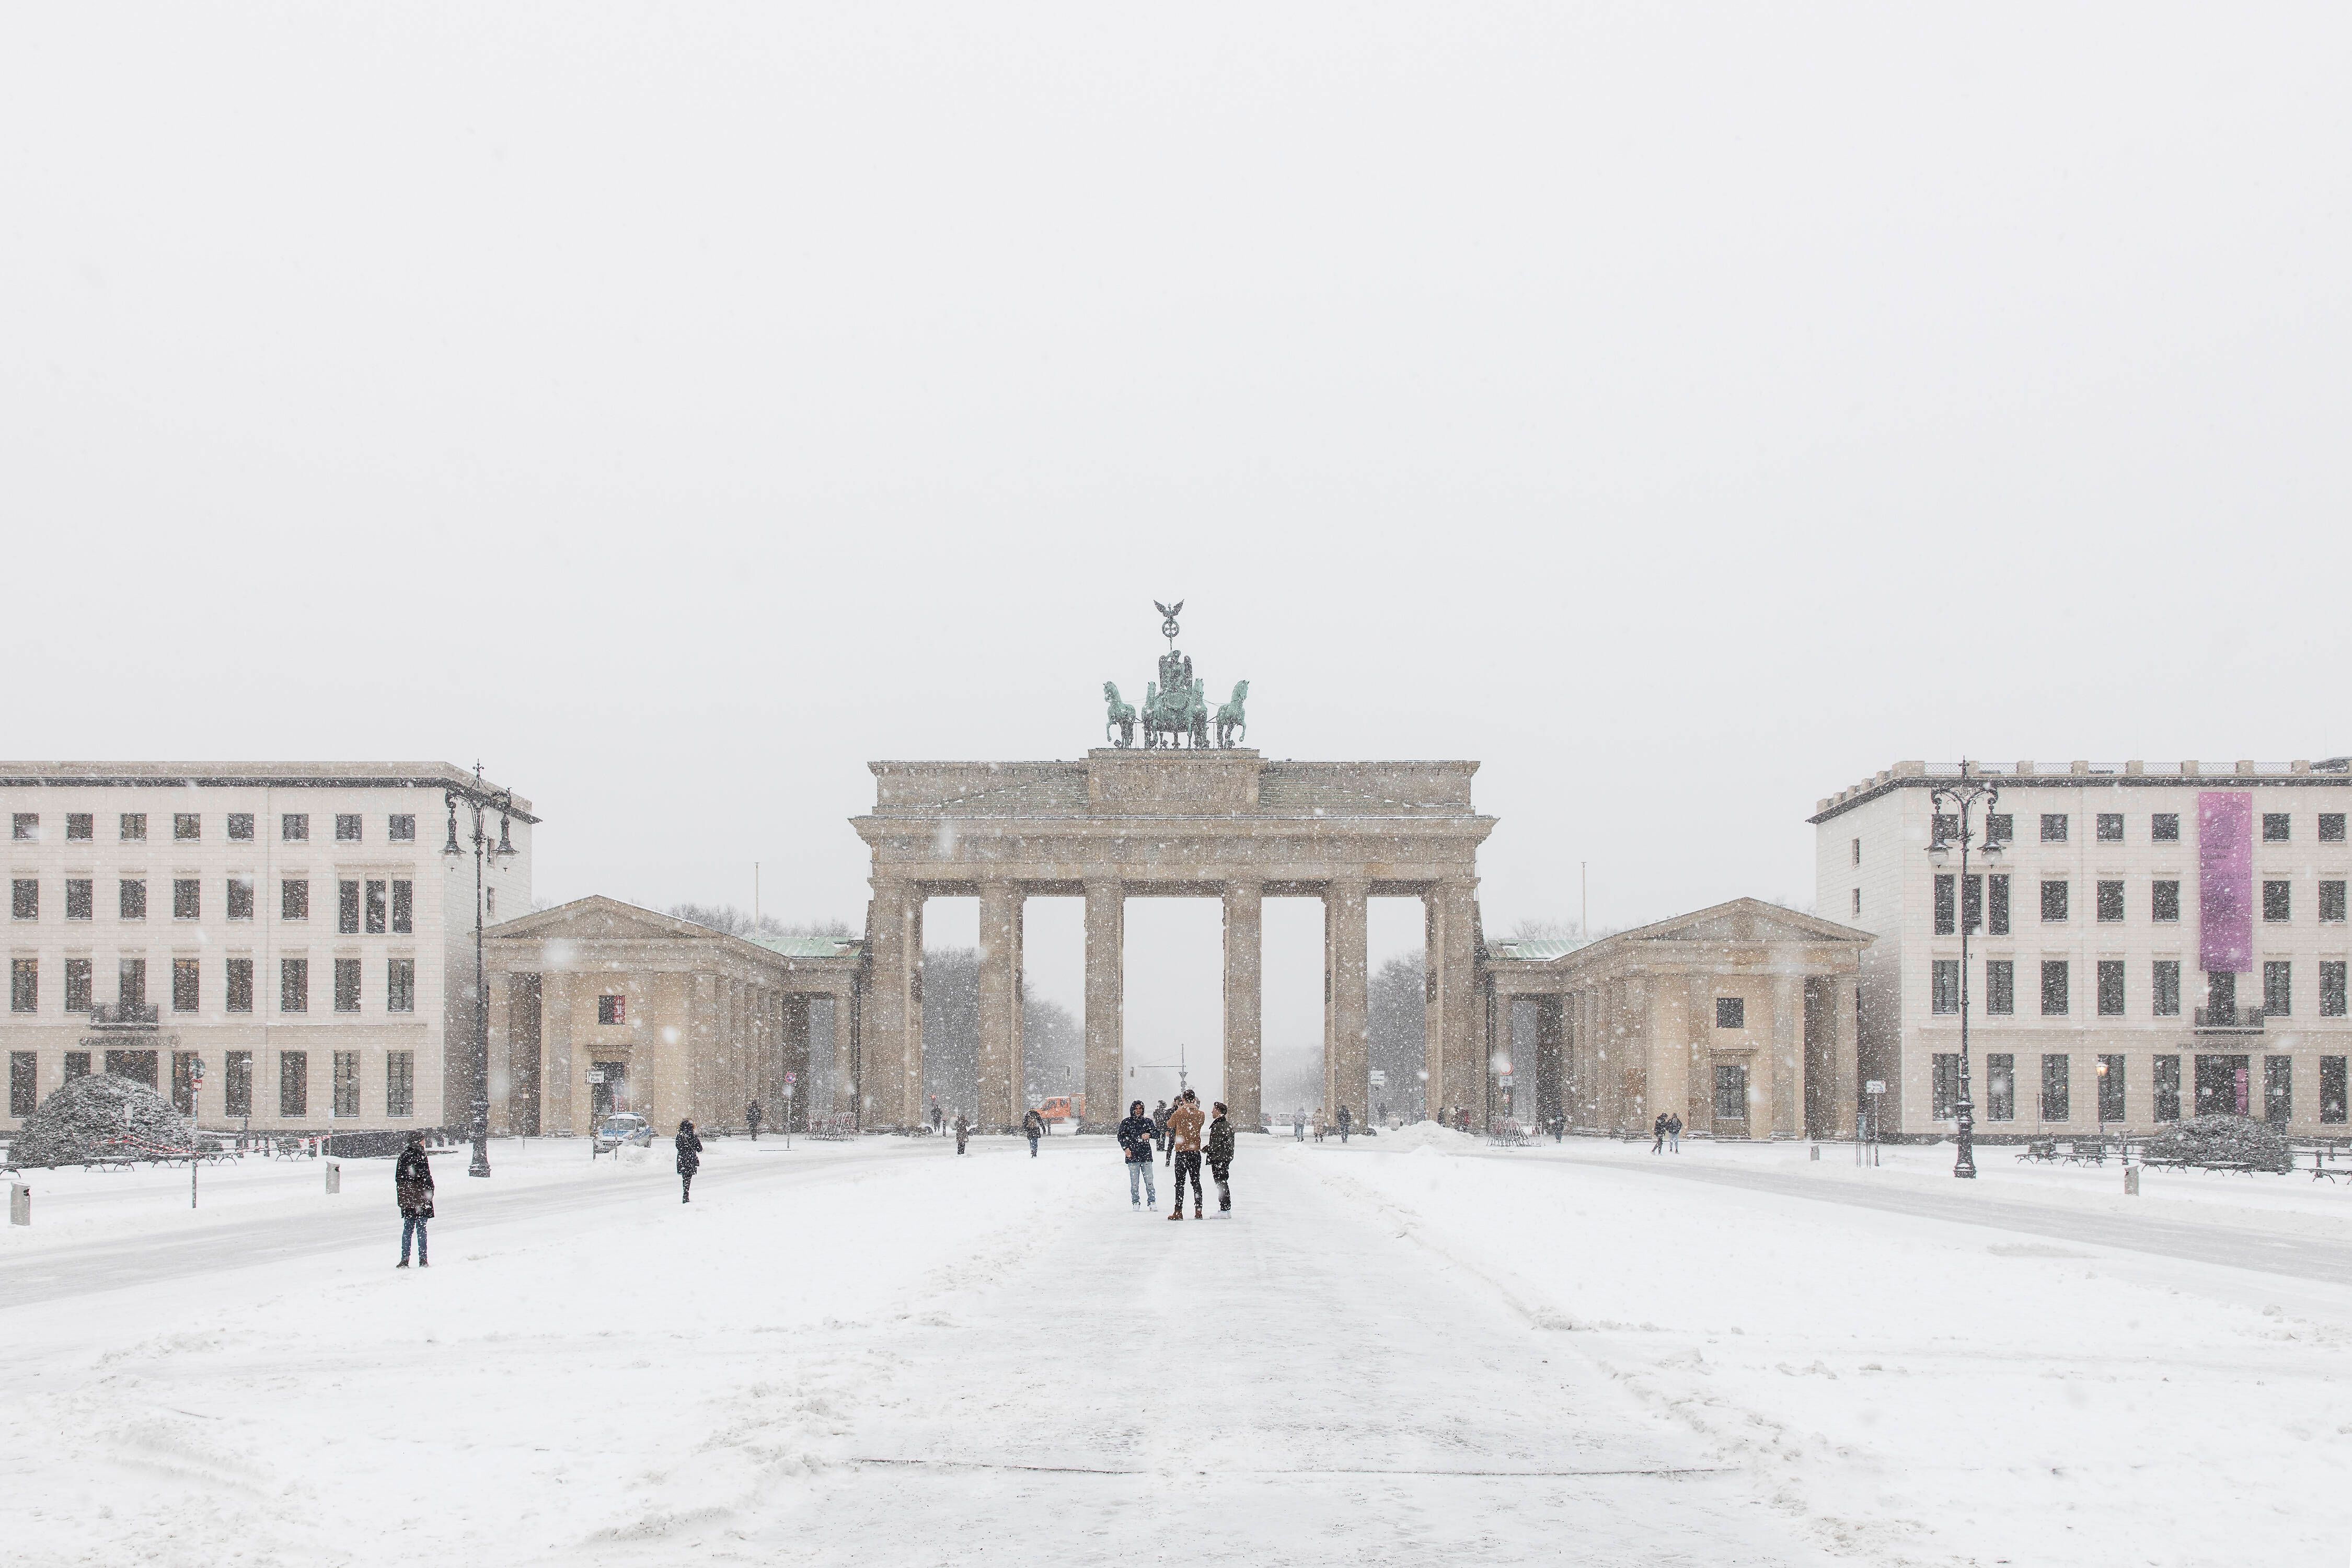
<point x="1175" y="712"/>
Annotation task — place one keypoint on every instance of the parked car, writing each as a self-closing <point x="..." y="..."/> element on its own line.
<point x="623" y="1127"/>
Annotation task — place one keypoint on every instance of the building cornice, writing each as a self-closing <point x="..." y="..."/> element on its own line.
<point x="2331" y="774"/>
<point x="254" y="776"/>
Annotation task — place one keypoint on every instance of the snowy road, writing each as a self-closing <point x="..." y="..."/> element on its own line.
<point x="1304" y="1373"/>
<point x="2303" y="1257"/>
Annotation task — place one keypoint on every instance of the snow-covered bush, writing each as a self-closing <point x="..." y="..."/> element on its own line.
<point x="2223" y="1141"/>
<point x="93" y="1117"/>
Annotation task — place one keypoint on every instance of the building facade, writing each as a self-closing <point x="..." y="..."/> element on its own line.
<point x="2148" y="942"/>
<point x="293" y="928"/>
<point x="1740" y="1019"/>
<point x="599" y="1006"/>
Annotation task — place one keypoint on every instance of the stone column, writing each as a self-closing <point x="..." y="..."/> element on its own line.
<point x="1452" y="1034"/>
<point x="1787" y="1055"/>
<point x="1845" y="1054"/>
<point x="1002" y="1094"/>
<point x="795" y="1027"/>
<point x="1698" y="1087"/>
<point x="1346" y="935"/>
<point x="1106" y="1003"/>
<point x="891" y="1081"/>
<point x="1551" y="1059"/>
<point x="1245" y="968"/>
<point x="501" y="1043"/>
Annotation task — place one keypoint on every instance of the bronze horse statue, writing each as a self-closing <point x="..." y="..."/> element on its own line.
<point x="1121" y="720"/>
<point x="1231" y="724"/>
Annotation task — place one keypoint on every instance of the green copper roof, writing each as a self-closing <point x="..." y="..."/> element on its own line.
<point x="807" y="946"/>
<point x="1538" y="950"/>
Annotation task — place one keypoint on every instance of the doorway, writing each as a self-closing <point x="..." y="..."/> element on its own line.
<point x="2223" y="1086"/>
<point x="608" y="1090"/>
<point x="1731" y="1100"/>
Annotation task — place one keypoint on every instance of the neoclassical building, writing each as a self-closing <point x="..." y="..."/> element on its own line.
<point x="1740" y="1018"/>
<point x="2151" y="941"/>
<point x="598" y="1006"/>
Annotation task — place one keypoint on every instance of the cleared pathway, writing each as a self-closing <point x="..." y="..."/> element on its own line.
<point x="1300" y="1381"/>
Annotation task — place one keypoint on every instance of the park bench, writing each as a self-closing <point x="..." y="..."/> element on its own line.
<point x="2045" y="1148"/>
<point x="2086" y="1152"/>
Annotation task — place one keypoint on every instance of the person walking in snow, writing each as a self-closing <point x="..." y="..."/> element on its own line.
<point x="411" y="1188"/>
<point x="1673" y="1132"/>
<point x="1346" y="1121"/>
<point x="1318" y="1124"/>
<point x="751" y="1119"/>
<point x="689" y="1160"/>
<point x="1034" y="1125"/>
<point x="938" y="1116"/>
<point x="962" y="1130"/>
<point x="1219" y="1153"/>
<point x="1658" y="1142"/>
<point x="1184" y="1139"/>
<point x="1160" y="1127"/>
<point x="1299" y="1126"/>
<point x="1135" y="1136"/>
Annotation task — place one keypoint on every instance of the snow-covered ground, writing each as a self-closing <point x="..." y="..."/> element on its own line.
<point x="1409" y="1350"/>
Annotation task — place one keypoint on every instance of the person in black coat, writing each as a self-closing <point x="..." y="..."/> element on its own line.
<point x="412" y="1185"/>
<point x="1135" y="1136"/>
<point x="1032" y="1127"/>
<point x="689" y="1160"/>
<point x="1220" y="1152"/>
<point x="751" y="1119"/>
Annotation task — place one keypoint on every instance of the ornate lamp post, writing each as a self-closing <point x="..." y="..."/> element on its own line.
<point x="481" y="800"/>
<point x="1943" y="826"/>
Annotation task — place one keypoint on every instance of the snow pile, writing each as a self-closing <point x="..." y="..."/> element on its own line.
<point x="96" y="1117"/>
<point x="1429" y="1136"/>
<point x="2225" y="1140"/>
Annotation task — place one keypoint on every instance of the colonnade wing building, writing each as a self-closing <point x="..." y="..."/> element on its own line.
<point x="2151" y="943"/>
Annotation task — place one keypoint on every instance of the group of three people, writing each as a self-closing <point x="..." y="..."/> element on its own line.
<point x="1180" y="1137"/>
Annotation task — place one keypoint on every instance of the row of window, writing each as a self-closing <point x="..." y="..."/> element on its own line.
<point x="363" y="906"/>
<point x="188" y="827"/>
<point x="2223" y="1087"/>
<point x="187" y="985"/>
<point x="2107" y="827"/>
<point x="2163" y="988"/>
<point x="236" y="1080"/>
<point x="1984" y="902"/>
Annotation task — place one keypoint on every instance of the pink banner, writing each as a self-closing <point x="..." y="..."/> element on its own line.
<point x="2225" y="880"/>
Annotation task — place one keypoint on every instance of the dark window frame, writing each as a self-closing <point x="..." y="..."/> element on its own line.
<point x="294" y="985"/>
<point x="2164" y="901"/>
<point x="2278" y="900"/>
<point x="2001" y="987"/>
<point x="2053" y="827"/>
<point x="2062" y="902"/>
<point x="2110" y="976"/>
<point x="2107" y="827"/>
<point x="2108" y="898"/>
<point x="2164" y="828"/>
<point x="2163" y="988"/>
<point x="2278" y="828"/>
<point x="1944" y="986"/>
<point x="2057" y="1103"/>
<point x="2057" y="988"/>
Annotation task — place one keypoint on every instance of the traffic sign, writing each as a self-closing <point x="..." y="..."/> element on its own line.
<point x="1874" y="1086"/>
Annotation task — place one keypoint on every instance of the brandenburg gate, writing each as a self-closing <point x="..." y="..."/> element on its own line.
<point x="1179" y="817"/>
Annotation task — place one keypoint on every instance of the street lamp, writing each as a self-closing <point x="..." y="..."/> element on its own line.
<point x="480" y="800"/>
<point x="1964" y="797"/>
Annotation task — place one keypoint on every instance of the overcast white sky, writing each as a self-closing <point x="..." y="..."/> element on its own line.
<point x="1682" y="411"/>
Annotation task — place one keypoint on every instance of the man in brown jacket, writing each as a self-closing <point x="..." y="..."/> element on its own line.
<point x="1184" y="1124"/>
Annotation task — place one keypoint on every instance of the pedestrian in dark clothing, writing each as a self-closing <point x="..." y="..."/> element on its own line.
<point x="1135" y="1135"/>
<point x="1160" y="1125"/>
<point x="938" y="1116"/>
<point x="1219" y="1153"/>
<point x="412" y="1185"/>
<point x="1184" y="1138"/>
<point x="751" y="1119"/>
<point x="1346" y="1121"/>
<point x="1673" y="1132"/>
<point x="1658" y="1142"/>
<point x="689" y="1160"/>
<point x="1033" y="1126"/>
<point x="962" y="1130"/>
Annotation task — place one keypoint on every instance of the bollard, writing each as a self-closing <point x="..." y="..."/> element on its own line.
<point x="1817" y="1153"/>
<point x="2131" y="1181"/>
<point x="334" y="1176"/>
<point x="20" y="1203"/>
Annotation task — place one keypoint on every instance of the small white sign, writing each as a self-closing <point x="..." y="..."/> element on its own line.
<point x="595" y="1075"/>
<point x="1874" y="1086"/>
<point x="1380" y="1078"/>
<point x="788" y="1089"/>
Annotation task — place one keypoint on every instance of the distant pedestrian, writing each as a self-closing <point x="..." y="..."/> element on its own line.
<point x="1159" y="1126"/>
<point x="689" y="1160"/>
<point x="1658" y="1142"/>
<point x="1299" y="1126"/>
<point x="1219" y="1153"/>
<point x="751" y="1119"/>
<point x="1034" y="1125"/>
<point x="1184" y="1121"/>
<point x="1559" y="1125"/>
<point x="938" y="1116"/>
<point x="412" y="1186"/>
<point x="1346" y="1121"/>
<point x="1673" y="1132"/>
<point x="962" y="1130"/>
<point x="1318" y="1124"/>
<point x="1135" y="1136"/>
